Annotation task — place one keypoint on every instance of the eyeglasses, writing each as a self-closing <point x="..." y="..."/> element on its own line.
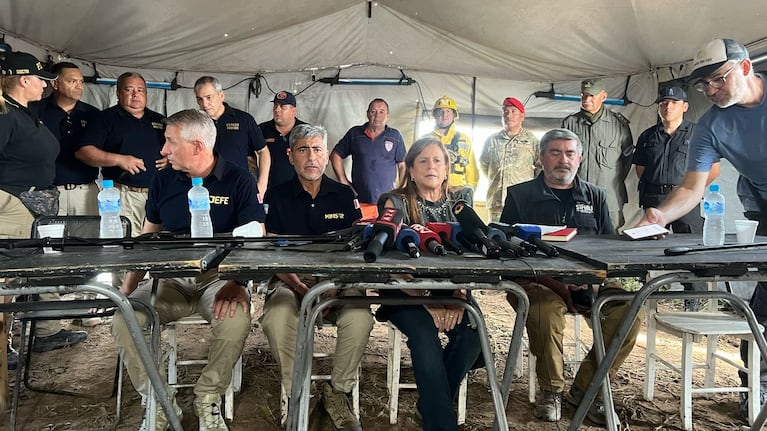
<point x="715" y="83"/>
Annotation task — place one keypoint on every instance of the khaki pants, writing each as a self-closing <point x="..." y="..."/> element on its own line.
<point x="545" y="330"/>
<point x="280" y="323"/>
<point x="80" y="200"/>
<point x="181" y="297"/>
<point x="133" y="206"/>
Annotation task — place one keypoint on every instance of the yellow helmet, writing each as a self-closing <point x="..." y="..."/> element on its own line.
<point x="445" y="102"/>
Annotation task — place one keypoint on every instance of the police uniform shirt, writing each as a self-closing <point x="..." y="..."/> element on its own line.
<point x="67" y="127"/>
<point x="28" y="150"/>
<point x="293" y="211"/>
<point x="237" y="136"/>
<point x="664" y="156"/>
<point x="281" y="170"/>
<point x="115" y="130"/>
<point x="233" y="199"/>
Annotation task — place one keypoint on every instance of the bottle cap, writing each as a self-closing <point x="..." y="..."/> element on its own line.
<point x="714" y="188"/>
<point x="107" y="184"/>
<point x="197" y="181"/>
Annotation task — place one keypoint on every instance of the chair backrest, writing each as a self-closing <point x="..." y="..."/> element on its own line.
<point x="83" y="226"/>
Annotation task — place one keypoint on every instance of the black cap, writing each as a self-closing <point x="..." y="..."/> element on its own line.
<point x="22" y="63"/>
<point x="285" y="98"/>
<point x="675" y="93"/>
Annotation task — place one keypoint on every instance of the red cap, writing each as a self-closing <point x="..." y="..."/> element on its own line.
<point x="513" y="101"/>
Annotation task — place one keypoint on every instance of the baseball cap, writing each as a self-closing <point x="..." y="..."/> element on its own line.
<point x="285" y="98"/>
<point x="22" y="63"/>
<point x="513" y="101"/>
<point x="712" y="56"/>
<point x="592" y="86"/>
<point x="675" y="93"/>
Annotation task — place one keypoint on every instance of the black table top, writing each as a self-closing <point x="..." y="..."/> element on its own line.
<point x="88" y="261"/>
<point x="322" y="259"/>
<point x="621" y="257"/>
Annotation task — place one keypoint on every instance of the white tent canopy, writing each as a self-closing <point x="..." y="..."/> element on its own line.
<point x="476" y="52"/>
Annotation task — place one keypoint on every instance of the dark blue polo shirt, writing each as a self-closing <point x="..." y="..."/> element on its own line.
<point x="28" y="150"/>
<point x="664" y="156"/>
<point x="237" y="136"/>
<point x="68" y="128"/>
<point x="115" y="130"/>
<point x="292" y="211"/>
<point x="281" y="169"/>
<point x="374" y="166"/>
<point x="233" y="200"/>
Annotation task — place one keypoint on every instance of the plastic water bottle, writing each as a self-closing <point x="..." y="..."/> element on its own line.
<point x="109" y="209"/>
<point x="713" y="210"/>
<point x="199" y="207"/>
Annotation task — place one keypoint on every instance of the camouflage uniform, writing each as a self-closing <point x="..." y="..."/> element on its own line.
<point x="607" y="151"/>
<point x="463" y="165"/>
<point x="505" y="161"/>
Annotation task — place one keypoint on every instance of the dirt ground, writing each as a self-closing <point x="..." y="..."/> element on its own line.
<point x="89" y="368"/>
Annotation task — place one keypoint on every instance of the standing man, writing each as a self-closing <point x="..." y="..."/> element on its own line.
<point x="125" y="141"/>
<point x="238" y="134"/>
<point x="735" y="128"/>
<point x="463" y="168"/>
<point x="378" y="153"/>
<point x="189" y="139"/>
<point x="555" y="196"/>
<point x="276" y="134"/>
<point x="607" y="146"/>
<point x="660" y="161"/>
<point x="66" y="116"/>
<point x="509" y="156"/>
<point x="28" y="153"/>
<point x="312" y="204"/>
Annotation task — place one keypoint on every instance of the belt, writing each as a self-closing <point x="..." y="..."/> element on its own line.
<point x="654" y="189"/>
<point x="72" y="186"/>
<point x="134" y="189"/>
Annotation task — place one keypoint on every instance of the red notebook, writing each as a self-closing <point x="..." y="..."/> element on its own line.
<point x="565" y="234"/>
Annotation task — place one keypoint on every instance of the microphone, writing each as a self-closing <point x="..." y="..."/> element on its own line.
<point x="533" y="235"/>
<point x="408" y="242"/>
<point x="507" y="246"/>
<point x="511" y="232"/>
<point x="474" y="228"/>
<point x="384" y="233"/>
<point x="429" y="240"/>
<point x="444" y="230"/>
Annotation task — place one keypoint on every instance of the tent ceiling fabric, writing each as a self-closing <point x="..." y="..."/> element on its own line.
<point x="522" y="40"/>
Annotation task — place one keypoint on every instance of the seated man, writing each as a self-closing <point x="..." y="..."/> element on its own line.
<point x="310" y="204"/>
<point x="558" y="196"/>
<point x="189" y="139"/>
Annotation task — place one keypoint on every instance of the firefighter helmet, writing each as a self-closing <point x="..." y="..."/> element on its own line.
<point x="446" y="102"/>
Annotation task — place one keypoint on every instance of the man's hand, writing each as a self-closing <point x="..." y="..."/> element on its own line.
<point x="294" y="283"/>
<point x="131" y="164"/>
<point x="161" y="164"/>
<point x="445" y="318"/>
<point x="228" y="299"/>
<point x="652" y="216"/>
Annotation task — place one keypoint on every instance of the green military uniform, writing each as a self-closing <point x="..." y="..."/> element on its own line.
<point x="505" y="161"/>
<point x="607" y="151"/>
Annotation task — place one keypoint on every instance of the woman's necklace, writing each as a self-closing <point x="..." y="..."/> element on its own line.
<point x="434" y="211"/>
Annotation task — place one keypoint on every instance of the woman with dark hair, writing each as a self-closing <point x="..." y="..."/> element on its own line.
<point x="424" y="196"/>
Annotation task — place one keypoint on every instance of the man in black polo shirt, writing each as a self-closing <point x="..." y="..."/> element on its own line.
<point x="276" y="134"/>
<point x="66" y="116"/>
<point x="189" y="139"/>
<point x="238" y="134"/>
<point x="310" y="204"/>
<point x="125" y="141"/>
<point x="660" y="160"/>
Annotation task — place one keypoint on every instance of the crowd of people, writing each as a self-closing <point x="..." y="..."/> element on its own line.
<point x="53" y="152"/>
